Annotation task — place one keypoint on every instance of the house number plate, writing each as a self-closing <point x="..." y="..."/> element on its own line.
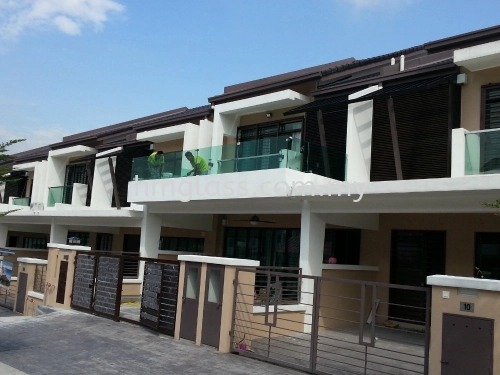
<point x="467" y="307"/>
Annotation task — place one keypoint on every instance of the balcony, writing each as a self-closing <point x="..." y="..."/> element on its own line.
<point x="60" y="194"/>
<point x="482" y="152"/>
<point x="263" y="154"/>
<point x="75" y="195"/>
<point x="21" y="201"/>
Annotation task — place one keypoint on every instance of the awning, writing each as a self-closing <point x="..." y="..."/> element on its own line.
<point x="386" y="92"/>
<point x="6" y="252"/>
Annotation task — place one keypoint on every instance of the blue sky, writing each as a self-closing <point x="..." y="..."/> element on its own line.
<point x="73" y="65"/>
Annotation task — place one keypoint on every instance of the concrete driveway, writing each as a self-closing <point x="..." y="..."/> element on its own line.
<point x="71" y="343"/>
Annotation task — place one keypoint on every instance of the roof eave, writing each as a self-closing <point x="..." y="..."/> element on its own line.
<point x="380" y="79"/>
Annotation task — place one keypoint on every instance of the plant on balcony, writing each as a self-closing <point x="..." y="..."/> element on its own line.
<point x="4" y="170"/>
<point x="495" y="204"/>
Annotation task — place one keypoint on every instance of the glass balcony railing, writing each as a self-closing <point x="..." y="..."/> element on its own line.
<point x="482" y="152"/>
<point x="267" y="153"/>
<point x="60" y="194"/>
<point x="21" y="201"/>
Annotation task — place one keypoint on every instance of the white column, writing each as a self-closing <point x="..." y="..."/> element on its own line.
<point x="40" y="188"/>
<point x="359" y="137"/>
<point x="312" y="242"/>
<point x="460" y="151"/>
<point x="58" y="233"/>
<point x="102" y="188"/>
<point x="4" y="231"/>
<point x="150" y="237"/>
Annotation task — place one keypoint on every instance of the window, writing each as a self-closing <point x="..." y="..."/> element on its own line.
<point x="13" y="241"/>
<point x="192" y="245"/>
<point x="104" y="241"/>
<point x="490" y="116"/>
<point x="131" y="248"/>
<point x="272" y="247"/>
<point x="488" y="255"/>
<point x="274" y="129"/>
<point x="490" y="119"/>
<point x="343" y="245"/>
<point x="173" y="162"/>
<point x="34" y="243"/>
<point x="83" y="236"/>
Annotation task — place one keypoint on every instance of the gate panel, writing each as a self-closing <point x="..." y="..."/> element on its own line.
<point x="356" y="334"/>
<point x="168" y="298"/>
<point x="108" y="286"/>
<point x="340" y="326"/>
<point x="151" y="290"/>
<point x="267" y="325"/>
<point x="83" y="284"/>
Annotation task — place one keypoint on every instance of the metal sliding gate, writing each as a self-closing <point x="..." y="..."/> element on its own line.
<point x="98" y="282"/>
<point x="340" y="325"/>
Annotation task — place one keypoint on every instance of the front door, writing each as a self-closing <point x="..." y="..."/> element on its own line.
<point x="212" y="311"/>
<point x="21" y="292"/>
<point x="467" y="347"/>
<point x="414" y="256"/>
<point x="61" y="283"/>
<point x="190" y="302"/>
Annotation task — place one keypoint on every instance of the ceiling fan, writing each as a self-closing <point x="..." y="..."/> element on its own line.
<point x="254" y="220"/>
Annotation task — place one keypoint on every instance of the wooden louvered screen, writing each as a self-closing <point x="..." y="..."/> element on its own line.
<point x="336" y="133"/>
<point x="424" y="121"/>
<point x="123" y="171"/>
<point x="15" y="188"/>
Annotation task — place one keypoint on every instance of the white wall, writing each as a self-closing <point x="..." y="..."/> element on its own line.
<point x="191" y="144"/>
<point x="56" y="170"/>
<point x="458" y="150"/>
<point x="58" y="233"/>
<point x="79" y="195"/>
<point x="252" y="184"/>
<point x="359" y="137"/>
<point x="205" y="134"/>
<point x="40" y="187"/>
<point x="102" y="189"/>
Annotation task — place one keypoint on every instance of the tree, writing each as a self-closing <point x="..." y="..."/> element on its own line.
<point x="4" y="170"/>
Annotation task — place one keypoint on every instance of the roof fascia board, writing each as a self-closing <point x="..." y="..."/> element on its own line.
<point x="462" y="40"/>
<point x="177" y="121"/>
<point x="92" y="134"/>
<point x="240" y="95"/>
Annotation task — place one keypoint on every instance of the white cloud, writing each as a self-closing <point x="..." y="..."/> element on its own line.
<point x="34" y="139"/>
<point x="69" y="16"/>
<point x="363" y="4"/>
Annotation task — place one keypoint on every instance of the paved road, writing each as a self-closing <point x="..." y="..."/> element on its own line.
<point x="74" y="343"/>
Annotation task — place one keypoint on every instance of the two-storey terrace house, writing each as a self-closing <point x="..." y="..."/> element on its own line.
<point x="373" y="169"/>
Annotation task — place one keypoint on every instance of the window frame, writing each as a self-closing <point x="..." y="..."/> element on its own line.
<point x="484" y="89"/>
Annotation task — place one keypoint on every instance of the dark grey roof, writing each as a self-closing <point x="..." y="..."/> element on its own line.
<point x="191" y="112"/>
<point x="371" y="60"/>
